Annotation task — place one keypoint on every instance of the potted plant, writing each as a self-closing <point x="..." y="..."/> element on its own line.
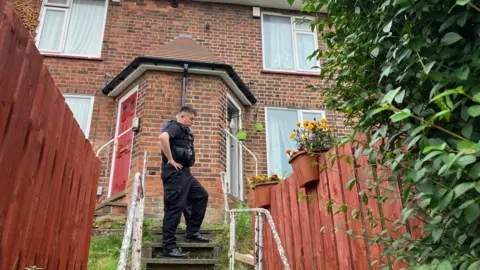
<point x="241" y="135"/>
<point x="257" y="126"/>
<point x="261" y="184"/>
<point x="312" y="139"/>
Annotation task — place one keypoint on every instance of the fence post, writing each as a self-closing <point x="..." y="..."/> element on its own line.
<point x="128" y="229"/>
<point x="260" y="242"/>
<point x="139" y="216"/>
<point x="233" y="225"/>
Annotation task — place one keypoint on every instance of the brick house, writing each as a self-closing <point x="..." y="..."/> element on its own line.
<point x="233" y="60"/>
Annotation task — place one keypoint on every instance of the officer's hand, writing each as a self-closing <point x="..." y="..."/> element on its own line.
<point x="175" y="164"/>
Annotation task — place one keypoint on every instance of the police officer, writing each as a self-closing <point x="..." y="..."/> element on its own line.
<point x="181" y="189"/>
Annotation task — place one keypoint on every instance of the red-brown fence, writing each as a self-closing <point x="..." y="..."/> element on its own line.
<point x="48" y="171"/>
<point x="307" y="229"/>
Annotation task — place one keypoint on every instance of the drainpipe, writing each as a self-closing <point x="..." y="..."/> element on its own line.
<point x="184" y="83"/>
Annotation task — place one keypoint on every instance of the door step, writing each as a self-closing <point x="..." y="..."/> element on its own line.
<point x="184" y="264"/>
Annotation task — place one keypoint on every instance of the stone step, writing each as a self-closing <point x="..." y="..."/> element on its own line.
<point x="194" y="250"/>
<point x="181" y="231"/>
<point x="184" y="264"/>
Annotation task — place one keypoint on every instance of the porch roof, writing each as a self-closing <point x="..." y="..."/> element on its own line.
<point x="181" y="55"/>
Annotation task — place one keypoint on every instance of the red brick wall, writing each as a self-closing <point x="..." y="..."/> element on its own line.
<point x="137" y="29"/>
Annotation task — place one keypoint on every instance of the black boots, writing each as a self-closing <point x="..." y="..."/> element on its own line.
<point x="196" y="237"/>
<point x="173" y="253"/>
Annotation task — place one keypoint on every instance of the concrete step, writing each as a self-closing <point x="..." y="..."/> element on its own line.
<point x="184" y="264"/>
<point x="194" y="250"/>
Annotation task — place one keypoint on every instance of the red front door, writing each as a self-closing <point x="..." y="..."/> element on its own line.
<point x="124" y="145"/>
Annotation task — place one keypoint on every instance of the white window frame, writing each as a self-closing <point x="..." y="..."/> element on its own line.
<point x="294" y="40"/>
<point x="230" y="139"/>
<point x="67" y="8"/>
<point x="299" y="119"/>
<point x="90" y="113"/>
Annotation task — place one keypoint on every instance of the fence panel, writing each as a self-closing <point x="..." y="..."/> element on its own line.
<point x="49" y="172"/>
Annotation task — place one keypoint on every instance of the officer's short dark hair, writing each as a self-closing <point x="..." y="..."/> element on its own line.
<point x="188" y="109"/>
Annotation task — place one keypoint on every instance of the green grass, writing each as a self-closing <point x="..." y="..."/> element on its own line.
<point x="243" y="239"/>
<point x="104" y="252"/>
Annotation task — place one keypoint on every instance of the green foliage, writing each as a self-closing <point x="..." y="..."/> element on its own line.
<point x="407" y="74"/>
<point x="243" y="238"/>
<point x="104" y="252"/>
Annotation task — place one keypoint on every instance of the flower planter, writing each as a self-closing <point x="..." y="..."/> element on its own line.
<point x="258" y="127"/>
<point x="305" y="168"/>
<point x="262" y="194"/>
<point x="241" y="135"/>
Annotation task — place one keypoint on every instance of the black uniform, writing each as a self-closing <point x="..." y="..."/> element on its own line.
<point x="181" y="189"/>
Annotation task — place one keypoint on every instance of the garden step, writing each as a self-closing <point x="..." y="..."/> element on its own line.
<point x="176" y="264"/>
<point x="194" y="250"/>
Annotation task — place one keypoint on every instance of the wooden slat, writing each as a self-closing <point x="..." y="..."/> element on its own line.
<point x="336" y="194"/>
<point x="287" y="220"/>
<point x="316" y="226"/>
<point x="297" y="236"/>
<point x="306" y="234"/>
<point x="327" y="220"/>
<point x="359" y="252"/>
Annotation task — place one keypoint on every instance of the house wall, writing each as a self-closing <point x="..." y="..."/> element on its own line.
<point x="139" y="27"/>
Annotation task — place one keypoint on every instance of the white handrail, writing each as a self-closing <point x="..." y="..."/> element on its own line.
<point x="251" y="153"/>
<point x="112" y="140"/>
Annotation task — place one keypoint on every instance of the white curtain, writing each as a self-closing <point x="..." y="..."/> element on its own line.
<point x="51" y="35"/>
<point x="61" y="2"/>
<point x="81" y="109"/>
<point x="85" y="29"/>
<point x="312" y="115"/>
<point x="278" y="45"/>
<point x="305" y="47"/>
<point x="280" y="124"/>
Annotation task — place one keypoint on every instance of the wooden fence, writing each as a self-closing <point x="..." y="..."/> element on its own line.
<point x="307" y="229"/>
<point x="48" y="170"/>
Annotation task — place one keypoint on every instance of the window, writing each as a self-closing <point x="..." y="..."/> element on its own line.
<point x="280" y="123"/>
<point x="82" y="108"/>
<point x="287" y="44"/>
<point x="72" y="27"/>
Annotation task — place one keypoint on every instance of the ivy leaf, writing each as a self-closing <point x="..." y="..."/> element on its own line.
<point x="445" y="265"/>
<point x="468" y="147"/>
<point x="462" y="188"/>
<point x="467" y="130"/>
<point x="466" y="160"/>
<point x="474" y="110"/>
<point x="462" y="2"/>
<point x="446" y="199"/>
<point x="462" y="72"/>
<point x="400" y="96"/>
<point x="375" y="52"/>
<point x="428" y="67"/>
<point x="383" y="131"/>
<point x="351" y="183"/>
<point x="472" y="212"/>
<point x="400" y="115"/>
<point x="365" y="198"/>
<point x="406" y="214"/>
<point x="458" y="90"/>
<point x="391" y="95"/>
<point x="476" y="97"/>
<point x="436" y="234"/>
<point x="466" y="204"/>
<point x="474" y="266"/>
<point x="474" y="172"/>
<point x="387" y="27"/>
<point x="450" y="38"/>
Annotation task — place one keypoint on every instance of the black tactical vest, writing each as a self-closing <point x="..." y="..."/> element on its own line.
<point x="182" y="148"/>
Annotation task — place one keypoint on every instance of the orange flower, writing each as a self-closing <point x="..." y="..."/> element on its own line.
<point x="305" y="123"/>
<point x="323" y="120"/>
<point x="274" y="176"/>
<point x="299" y="124"/>
<point x="292" y="135"/>
<point x="310" y="127"/>
<point x="288" y="152"/>
<point x="304" y="137"/>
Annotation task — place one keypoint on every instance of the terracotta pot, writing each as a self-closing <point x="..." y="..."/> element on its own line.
<point x="304" y="167"/>
<point x="262" y="194"/>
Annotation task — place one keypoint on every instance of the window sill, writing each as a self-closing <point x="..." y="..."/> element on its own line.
<point x="295" y="73"/>
<point x="72" y="57"/>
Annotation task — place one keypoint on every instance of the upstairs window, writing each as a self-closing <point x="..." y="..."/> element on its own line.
<point x="287" y="44"/>
<point x="72" y="27"/>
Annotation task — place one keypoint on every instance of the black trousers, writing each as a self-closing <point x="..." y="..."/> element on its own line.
<point x="182" y="194"/>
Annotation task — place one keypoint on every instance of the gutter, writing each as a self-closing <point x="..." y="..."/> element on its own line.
<point x="141" y="64"/>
